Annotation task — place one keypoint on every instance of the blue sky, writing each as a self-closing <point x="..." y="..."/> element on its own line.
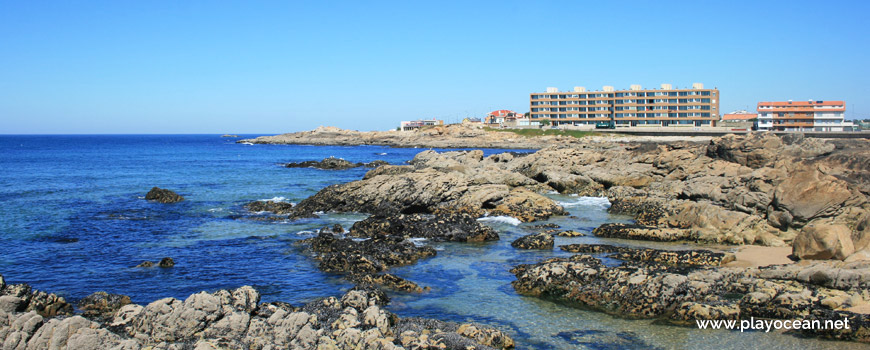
<point x="272" y="67"/>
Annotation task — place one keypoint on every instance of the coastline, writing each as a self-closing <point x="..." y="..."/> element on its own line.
<point x="450" y="136"/>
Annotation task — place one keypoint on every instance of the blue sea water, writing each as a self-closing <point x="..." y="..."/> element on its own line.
<point x="75" y="221"/>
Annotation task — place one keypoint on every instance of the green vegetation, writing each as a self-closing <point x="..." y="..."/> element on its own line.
<point x="546" y="132"/>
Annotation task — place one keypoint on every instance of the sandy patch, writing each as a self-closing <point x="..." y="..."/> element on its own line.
<point x="755" y="256"/>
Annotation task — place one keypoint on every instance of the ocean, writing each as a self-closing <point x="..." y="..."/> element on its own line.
<point x="75" y="221"/>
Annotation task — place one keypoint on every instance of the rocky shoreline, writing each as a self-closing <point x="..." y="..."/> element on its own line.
<point x="810" y="194"/>
<point x="226" y="319"/>
<point x="447" y="136"/>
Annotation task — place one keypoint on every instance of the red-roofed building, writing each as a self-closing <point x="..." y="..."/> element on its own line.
<point x="803" y="116"/>
<point x="499" y="116"/>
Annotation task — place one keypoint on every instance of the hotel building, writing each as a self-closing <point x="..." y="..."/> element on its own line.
<point x="633" y="107"/>
<point x="803" y="116"/>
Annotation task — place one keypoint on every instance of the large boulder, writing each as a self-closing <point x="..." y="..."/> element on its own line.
<point x="808" y="193"/>
<point x="163" y="195"/>
<point x="823" y="242"/>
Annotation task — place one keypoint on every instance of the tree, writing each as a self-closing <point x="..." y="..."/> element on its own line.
<point x="545" y="122"/>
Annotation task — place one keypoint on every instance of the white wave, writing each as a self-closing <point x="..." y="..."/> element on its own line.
<point x="214" y="210"/>
<point x="247" y="143"/>
<point x="382" y="153"/>
<point x="510" y="220"/>
<point x="419" y="242"/>
<point x="360" y="239"/>
<point x="600" y="202"/>
<point x="305" y="232"/>
<point x="274" y="199"/>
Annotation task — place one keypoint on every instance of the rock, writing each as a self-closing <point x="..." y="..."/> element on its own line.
<point x="330" y="163"/>
<point x="280" y="208"/>
<point x="388" y="281"/>
<point x="696" y="257"/>
<point x="163" y="195"/>
<point x="534" y="241"/>
<point x="166" y="262"/>
<point x="807" y="194"/>
<point x="102" y="305"/>
<point x="449" y="226"/>
<point x="388" y="170"/>
<point x="344" y="255"/>
<point x="448" y="182"/>
<point x="570" y="233"/>
<point x="640" y="232"/>
<point x="823" y="242"/>
<point x="145" y="264"/>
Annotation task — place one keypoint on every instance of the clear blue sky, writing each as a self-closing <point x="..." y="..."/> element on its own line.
<point x="272" y="67"/>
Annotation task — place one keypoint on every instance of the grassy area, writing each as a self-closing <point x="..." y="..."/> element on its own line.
<point x="546" y="132"/>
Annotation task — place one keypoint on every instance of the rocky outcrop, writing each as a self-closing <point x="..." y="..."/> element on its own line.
<point x="445" y="136"/>
<point x="388" y="281"/>
<point x="102" y="305"/>
<point x="163" y="195"/>
<point x="234" y="319"/>
<point x="541" y="240"/>
<point x="22" y="298"/>
<point x="685" y="293"/>
<point x="276" y="207"/>
<point x="640" y="232"/>
<point x="363" y="260"/>
<point x="455" y="227"/>
<point x="448" y="182"/>
<point x="670" y="257"/>
<point x="752" y="189"/>
<point x="333" y="163"/>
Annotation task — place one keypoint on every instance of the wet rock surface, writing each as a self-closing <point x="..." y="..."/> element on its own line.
<point x="681" y="293"/>
<point x="102" y="305"/>
<point x="280" y="208"/>
<point x="234" y="319"/>
<point x="365" y="256"/>
<point x="333" y="163"/>
<point x="671" y="257"/>
<point x="541" y="240"/>
<point x="454" y="227"/>
<point x="163" y="195"/>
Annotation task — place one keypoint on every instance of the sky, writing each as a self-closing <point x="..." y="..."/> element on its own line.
<point x="261" y="67"/>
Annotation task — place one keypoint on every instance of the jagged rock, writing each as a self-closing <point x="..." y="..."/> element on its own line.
<point x="534" y="241"/>
<point x="146" y="264"/>
<point x="458" y="227"/>
<point x="280" y="208"/>
<point x="102" y="305"/>
<point x="22" y="298"/>
<point x="163" y="195"/>
<point x="823" y="242"/>
<point x="166" y="262"/>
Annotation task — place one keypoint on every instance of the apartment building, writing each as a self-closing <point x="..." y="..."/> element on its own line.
<point x="803" y="116"/>
<point x="635" y="107"/>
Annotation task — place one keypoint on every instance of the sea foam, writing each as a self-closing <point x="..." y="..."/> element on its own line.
<point x="502" y="219"/>
<point x="601" y="202"/>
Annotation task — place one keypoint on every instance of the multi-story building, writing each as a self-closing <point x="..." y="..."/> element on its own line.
<point x="803" y="116"/>
<point x="623" y="108"/>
